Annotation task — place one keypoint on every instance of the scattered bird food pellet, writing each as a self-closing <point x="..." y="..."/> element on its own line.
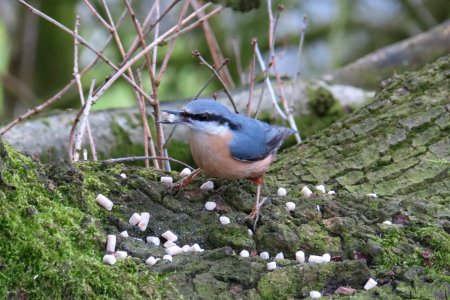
<point x="210" y="205"/>
<point x="244" y="253"/>
<point x="109" y="259"/>
<point x="250" y="232"/>
<point x="326" y="258"/>
<point x="151" y="261"/>
<point x="134" y="219"/>
<point x="370" y="284"/>
<point x="169" y="244"/>
<point x="85" y="154"/>
<point x="315" y="294"/>
<point x="281" y="192"/>
<point x="279" y="255"/>
<point x="143" y="222"/>
<point x="321" y="188"/>
<point x="331" y="193"/>
<point x="306" y="192"/>
<point x="167" y="180"/>
<point x="175" y="250"/>
<point x="120" y="254"/>
<point x="372" y="195"/>
<point x="167" y="257"/>
<point x="264" y="255"/>
<point x="124" y="234"/>
<point x="170" y="236"/>
<point x="123" y="175"/>
<point x="104" y="202"/>
<point x="207" y="186"/>
<point x="387" y="222"/>
<point x="154" y="240"/>
<point x="186" y="248"/>
<point x="224" y="220"/>
<point x="300" y="256"/>
<point x="196" y="248"/>
<point x="290" y="206"/>
<point x="185" y="172"/>
<point x="315" y="259"/>
<point x="271" y="266"/>
<point x="110" y="244"/>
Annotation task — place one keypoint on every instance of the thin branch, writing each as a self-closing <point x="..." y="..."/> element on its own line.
<point x="60" y="93"/>
<point x="300" y="48"/>
<point x="86" y="44"/>
<point x="252" y="79"/>
<point x="97" y="15"/>
<point x="226" y="61"/>
<point x="134" y="158"/>
<point x="196" y="53"/>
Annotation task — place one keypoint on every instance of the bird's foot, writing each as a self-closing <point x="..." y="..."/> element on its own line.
<point x="182" y="183"/>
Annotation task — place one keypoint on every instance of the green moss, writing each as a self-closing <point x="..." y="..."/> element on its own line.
<point x="51" y="247"/>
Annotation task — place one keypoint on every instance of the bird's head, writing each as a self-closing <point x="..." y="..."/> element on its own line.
<point x="204" y="115"/>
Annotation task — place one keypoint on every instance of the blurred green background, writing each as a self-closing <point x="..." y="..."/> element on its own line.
<point x="36" y="58"/>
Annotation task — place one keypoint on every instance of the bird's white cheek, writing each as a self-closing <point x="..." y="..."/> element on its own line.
<point x="209" y="127"/>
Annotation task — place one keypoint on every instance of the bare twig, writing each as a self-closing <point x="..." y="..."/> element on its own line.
<point x="252" y="79"/>
<point x="76" y="74"/>
<point x="86" y="44"/>
<point x="97" y="15"/>
<point x="226" y="61"/>
<point x="237" y="55"/>
<point x="213" y="45"/>
<point x="300" y="48"/>
<point x="78" y="117"/>
<point x="134" y="158"/>
<point x="61" y="92"/>
<point x="196" y="53"/>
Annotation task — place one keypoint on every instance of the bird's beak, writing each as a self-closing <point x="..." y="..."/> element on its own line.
<point x="172" y="117"/>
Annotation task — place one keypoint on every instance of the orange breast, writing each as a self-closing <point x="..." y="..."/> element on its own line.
<point x="211" y="153"/>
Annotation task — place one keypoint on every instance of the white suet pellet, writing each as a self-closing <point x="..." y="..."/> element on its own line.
<point x="264" y="255"/>
<point x="185" y="172"/>
<point x="321" y="188"/>
<point x="244" y="253"/>
<point x="109" y="259"/>
<point x="124" y="234"/>
<point x="372" y="195"/>
<point x="210" y="205"/>
<point x="250" y="232"/>
<point x="331" y="193"/>
<point x="271" y="265"/>
<point x="169" y="244"/>
<point x="104" y="202"/>
<point x="134" y="219"/>
<point x="306" y="192"/>
<point x="207" y="186"/>
<point x="167" y="180"/>
<point x="186" y="248"/>
<point x="224" y="220"/>
<point x="154" y="240"/>
<point x="315" y="259"/>
<point x="167" y="257"/>
<point x="281" y="191"/>
<point x="387" y="222"/>
<point x="300" y="256"/>
<point x="85" y="154"/>
<point x="120" y="254"/>
<point x="143" y="222"/>
<point x="123" y="175"/>
<point x="370" y="284"/>
<point x="326" y="258"/>
<point x="110" y="243"/>
<point x="279" y="255"/>
<point x="315" y="294"/>
<point x="170" y="236"/>
<point x="196" y="248"/>
<point x="290" y="206"/>
<point x="151" y="261"/>
<point x="175" y="250"/>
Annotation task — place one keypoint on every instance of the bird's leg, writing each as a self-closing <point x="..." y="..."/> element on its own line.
<point x="186" y="180"/>
<point x="254" y="214"/>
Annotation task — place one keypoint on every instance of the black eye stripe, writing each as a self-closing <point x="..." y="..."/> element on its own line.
<point x="213" y="118"/>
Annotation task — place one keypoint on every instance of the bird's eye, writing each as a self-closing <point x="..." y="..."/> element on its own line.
<point x="203" y="117"/>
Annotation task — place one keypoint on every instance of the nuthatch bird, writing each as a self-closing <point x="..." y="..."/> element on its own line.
<point x="228" y="145"/>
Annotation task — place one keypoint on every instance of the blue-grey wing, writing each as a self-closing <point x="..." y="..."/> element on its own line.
<point x="257" y="141"/>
